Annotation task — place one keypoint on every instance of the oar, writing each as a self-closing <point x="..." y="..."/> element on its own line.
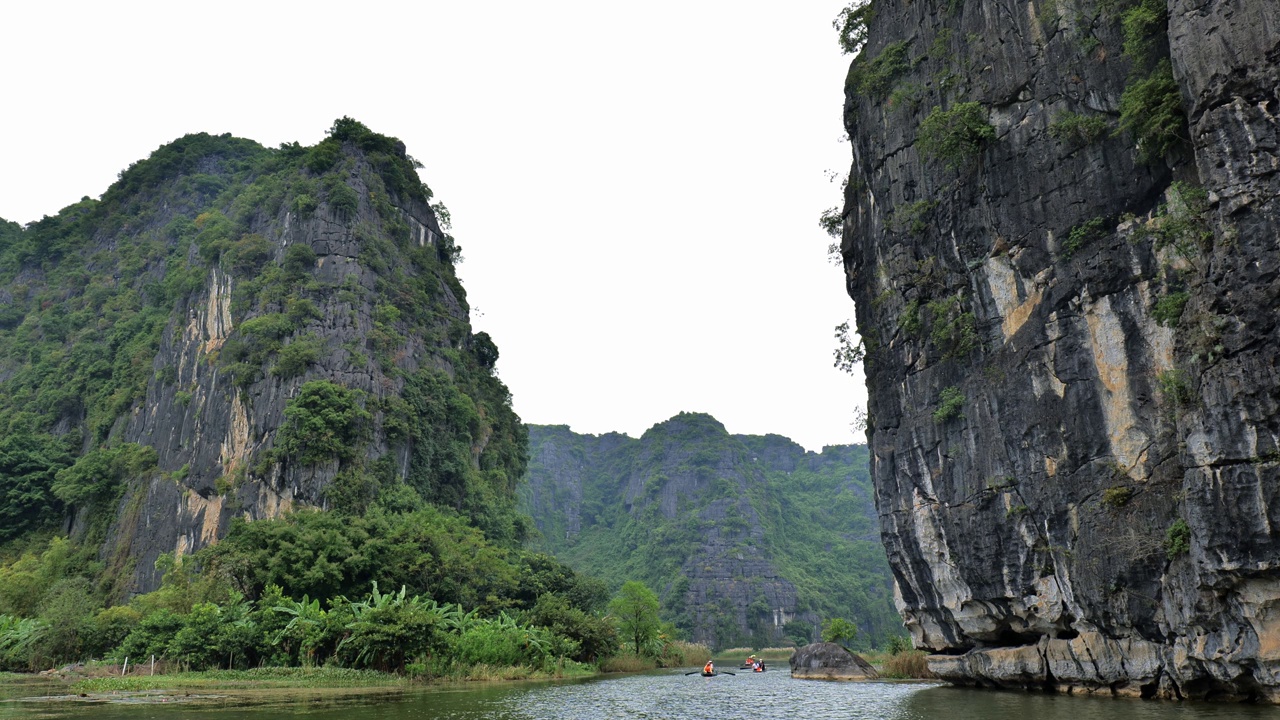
<point x="718" y="672"/>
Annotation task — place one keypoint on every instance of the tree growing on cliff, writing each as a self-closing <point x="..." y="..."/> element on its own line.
<point x="636" y="609"/>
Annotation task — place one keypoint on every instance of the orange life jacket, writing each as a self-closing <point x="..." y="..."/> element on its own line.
<point x="708" y="668"/>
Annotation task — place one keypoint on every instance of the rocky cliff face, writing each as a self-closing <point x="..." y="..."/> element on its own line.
<point x="732" y="531"/>
<point x="1070" y="349"/>
<point x="269" y="279"/>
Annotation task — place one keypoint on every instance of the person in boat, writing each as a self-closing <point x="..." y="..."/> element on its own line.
<point x="709" y="668"/>
<point x="757" y="665"/>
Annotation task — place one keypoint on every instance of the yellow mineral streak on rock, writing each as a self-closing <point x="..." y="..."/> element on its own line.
<point x="1050" y="465"/>
<point x="217" y="314"/>
<point x="1002" y="280"/>
<point x="1128" y="442"/>
<point x="272" y="505"/>
<point x="235" y="447"/>
<point x="198" y="510"/>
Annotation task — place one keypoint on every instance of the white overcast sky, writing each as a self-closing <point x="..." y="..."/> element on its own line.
<point x="635" y="186"/>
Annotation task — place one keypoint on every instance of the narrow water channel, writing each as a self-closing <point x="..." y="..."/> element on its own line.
<point x="657" y="696"/>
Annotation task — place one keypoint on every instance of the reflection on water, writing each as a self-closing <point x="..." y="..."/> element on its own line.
<point x="656" y="696"/>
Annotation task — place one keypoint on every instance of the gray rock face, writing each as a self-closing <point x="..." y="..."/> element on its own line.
<point x="1093" y="509"/>
<point x="209" y="433"/>
<point x="829" y="661"/>
<point x="697" y="514"/>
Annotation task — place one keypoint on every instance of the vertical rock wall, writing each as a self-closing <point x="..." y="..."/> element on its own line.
<point x="209" y="433"/>
<point x="1076" y="481"/>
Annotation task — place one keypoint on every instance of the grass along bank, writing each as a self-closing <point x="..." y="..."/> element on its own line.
<point x="256" y="678"/>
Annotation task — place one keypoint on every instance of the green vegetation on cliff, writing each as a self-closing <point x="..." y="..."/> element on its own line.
<point x="239" y="332"/>
<point x="747" y="540"/>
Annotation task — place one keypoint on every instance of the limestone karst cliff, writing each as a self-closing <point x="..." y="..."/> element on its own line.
<point x="1060" y="233"/>
<point x="232" y="332"/>
<point x="748" y="540"/>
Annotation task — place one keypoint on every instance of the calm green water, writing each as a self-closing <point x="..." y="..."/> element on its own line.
<point x="746" y="696"/>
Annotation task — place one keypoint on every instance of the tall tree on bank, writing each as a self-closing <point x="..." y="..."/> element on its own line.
<point x="636" y="608"/>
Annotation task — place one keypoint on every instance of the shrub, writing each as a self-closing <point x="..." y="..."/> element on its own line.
<point x="1151" y="109"/>
<point x="271" y="326"/>
<point x="874" y="78"/>
<point x="1081" y="234"/>
<point x="322" y="157"/>
<point x="950" y="404"/>
<point x="248" y="254"/>
<point x="595" y="637"/>
<point x="342" y="199"/>
<point x="953" y="332"/>
<point x="839" y="631"/>
<point x="304" y="204"/>
<point x="956" y="135"/>
<point x="1143" y="24"/>
<point x="1168" y="309"/>
<point x="909" y="664"/>
<point x="911" y="216"/>
<point x="1183" y="222"/>
<point x="151" y="636"/>
<point x="17" y="636"/>
<point x="1177" y="539"/>
<point x="1080" y="128"/>
<point x="298" y="259"/>
<point x="294" y="358"/>
<point x="97" y="475"/>
<point x="325" y="421"/>
<point x="1174" y="387"/>
<point x="1117" y="497"/>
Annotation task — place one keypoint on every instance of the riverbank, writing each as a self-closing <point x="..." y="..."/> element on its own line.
<point x="97" y="680"/>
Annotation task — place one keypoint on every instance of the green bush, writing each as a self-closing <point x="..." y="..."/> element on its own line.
<point x="97" y="475"/>
<point x="17" y="636"/>
<point x="248" y="254"/>
<point x="1143" y="26"/>
<point x="342" y="198"/>
<point x="1084" y="129"/>
<point x="911" y="217"/>
<point x="874" y="78"/>
<point x="957" y="135"/>
<point x="325" y="421"/>
<point x="1168" y="309"/>
<point x="1183" y="223"/>
<point x="1177" y="539"/>
<point x="1174" y="387"/>
<point x="1084" y="233"/>
<point x="151" y="636"/>
<point x="950" y="404"/>
<point x="839" y="631"/>
<point x="594" y="636"/>
<point x="387" y="630"/>
<point x="1117" y="497"/>
<point x="953" y="330"/>
<point x="1151" y="109"/>
<point x="294" y="358"/>
<point x="298" y="260"/>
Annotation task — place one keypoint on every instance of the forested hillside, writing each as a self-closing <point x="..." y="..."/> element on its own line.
<point x="749" y="540"/>
<point x="239" y="390"/>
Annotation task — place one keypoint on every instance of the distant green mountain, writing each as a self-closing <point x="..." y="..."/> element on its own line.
<point x="748" y="540"/>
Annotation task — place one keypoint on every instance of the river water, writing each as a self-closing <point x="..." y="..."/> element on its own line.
<point x="654" y="696"/>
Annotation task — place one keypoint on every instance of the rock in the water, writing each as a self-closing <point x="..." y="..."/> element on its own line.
<point x="829" y="661"/>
